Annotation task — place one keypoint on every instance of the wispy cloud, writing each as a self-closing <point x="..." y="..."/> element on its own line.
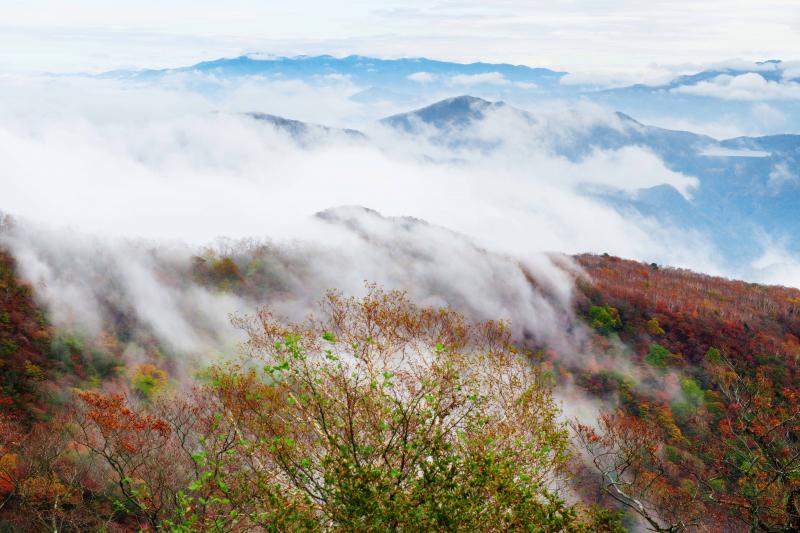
<point x="421" y="77"/>
<point x="489" y="78"/>
<point x="577" y="36"/>
<point x="750" y="86"/>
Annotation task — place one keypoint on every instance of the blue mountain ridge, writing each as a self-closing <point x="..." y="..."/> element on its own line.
<point x="393" y="80"/>
<point x="738" y="198"/>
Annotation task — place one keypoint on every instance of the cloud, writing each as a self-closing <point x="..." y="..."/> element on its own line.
<point x="722" y="128"/>
<point x="141" y="161"/>
<point x="749" y="87"/>
<point x="777" y="266"/>
<point x="782" y="175"/>
<point x="95" y="167"/>
<point x="86" y="281"/>
<point x="114" y="162"/>
<point x="653" y="76"/>
<point x="566" y="35"/>
<point x="792" y="72"/>
<point x="767" y="116"/>
<point x="421" y="77"/>
<point x="487" y="78"/>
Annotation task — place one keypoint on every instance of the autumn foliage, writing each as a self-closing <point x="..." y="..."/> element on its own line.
<point x="378" y="414"/>
<point x="707" y="436"/>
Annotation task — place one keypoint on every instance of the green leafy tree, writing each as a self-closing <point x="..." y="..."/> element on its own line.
<point x="383" y="416"/>
<point x="604" y="319"/>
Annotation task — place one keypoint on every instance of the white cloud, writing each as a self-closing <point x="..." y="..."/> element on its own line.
<point x="653" y="75"/>
<point x="487" y="78"/>
<point x="615" y="34"/>
<point x="141" y="161"/>
<point x="345" y="78"/>
<point x="723" y="128"/>
<point x="776" y="266"/>
<point x="782" y="175"/>
<point x="129" y="161"/>
<point x="421" y="77"/>
<point x="768" y="116"/>
<point x="749" y="86"/>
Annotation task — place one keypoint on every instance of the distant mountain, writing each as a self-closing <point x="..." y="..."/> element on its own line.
<point x="701" y="97"/>
<point x="303" y="132"/>
<point x="459" y="111"/>
<point x="456" y="119"/>
<point x="398" y="77"/>
<point x="746" y="184"/>
<point x="718" y="95"/>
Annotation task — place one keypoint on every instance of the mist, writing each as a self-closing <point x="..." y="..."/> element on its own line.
<point x="115" y="187"/>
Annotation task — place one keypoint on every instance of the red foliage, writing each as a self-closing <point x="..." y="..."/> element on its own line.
<point x="24" y="339"/>
<point x="696" y="312"/>
<point x="111" y="414"/>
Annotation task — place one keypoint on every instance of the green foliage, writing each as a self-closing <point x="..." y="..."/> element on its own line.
<point x="672" y="454"/>
<point x="714" y="356"/>
<point x="76" y="355"/>
<point x="102" y="363"/>
<point x="654" y="327"/>
<point x="692" y="392"/>
<point x="717" y="484"/>
<point x="63" y="347"/>
<point x="34" y="372"/>
<point x="450" y="494"/>
<point x="693" y="397"/>
<point x="603" y="520"/>
<point x="148" y="380"/>
<point x="8" y="347"/>
<point x="657" y="356"/>
<point x="604" y="319"/>
<point x="605" y="382"/>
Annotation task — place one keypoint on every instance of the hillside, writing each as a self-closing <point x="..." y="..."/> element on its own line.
<point x="696" y="312"/>
<point x="700" y="377"/>
<point x="658" y="338"/>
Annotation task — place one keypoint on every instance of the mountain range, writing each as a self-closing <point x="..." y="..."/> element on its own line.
<point x="747" y="187"/>
<point x="738" y="95"/>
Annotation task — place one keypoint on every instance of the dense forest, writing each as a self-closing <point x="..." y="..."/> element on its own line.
<point x="378" y="414"/>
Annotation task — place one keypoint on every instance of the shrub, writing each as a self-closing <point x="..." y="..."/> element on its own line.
<point x="604" y="319"/>
<point x="657" y="356"/>
<point x="8" y="347"/>
<point x="148" y="380"/>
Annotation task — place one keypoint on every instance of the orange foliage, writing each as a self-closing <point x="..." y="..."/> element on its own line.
<point x="111" y="413"/>
<point x="690" y="312"/>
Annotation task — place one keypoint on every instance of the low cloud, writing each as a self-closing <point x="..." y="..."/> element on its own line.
<point x="777" y="266"/>
<point x="87" y="175"/>
<point x="782" y="175"/>
<point x="486" y="78"/>
<point x="421" y="77"/>
<point x="749" y="87"/>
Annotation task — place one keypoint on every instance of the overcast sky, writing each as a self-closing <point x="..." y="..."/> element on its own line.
<point x="93" y="35"/>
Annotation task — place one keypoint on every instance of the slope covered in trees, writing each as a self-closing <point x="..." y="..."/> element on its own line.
<point x="379" y="413"/>
<point x="704" y="433"/>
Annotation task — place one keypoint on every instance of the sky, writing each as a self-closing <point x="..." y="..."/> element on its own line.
<point x="574" y="35"/>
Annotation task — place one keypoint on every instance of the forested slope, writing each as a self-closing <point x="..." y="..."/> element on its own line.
<point x="695" y="379"/>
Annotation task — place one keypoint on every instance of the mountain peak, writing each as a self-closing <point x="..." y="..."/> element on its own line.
<point x="455" y="111"/>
